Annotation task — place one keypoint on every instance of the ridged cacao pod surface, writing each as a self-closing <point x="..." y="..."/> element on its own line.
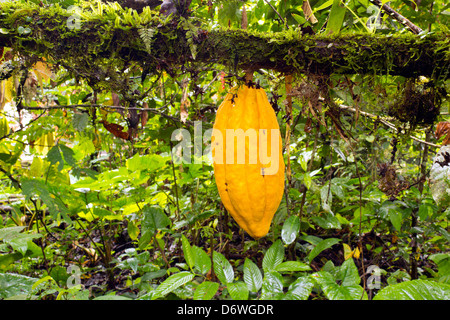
<point x="248" y="160"/>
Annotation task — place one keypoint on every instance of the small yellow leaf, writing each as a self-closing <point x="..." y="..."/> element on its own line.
<point x="348" y="252"/>
<point x="44" y="143"/>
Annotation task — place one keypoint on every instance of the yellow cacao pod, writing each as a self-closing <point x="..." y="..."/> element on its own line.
<point x="247" y="157"/>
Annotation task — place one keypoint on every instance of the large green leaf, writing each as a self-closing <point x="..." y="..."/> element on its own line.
<point x="300" y="289"/>
<point x="10" y="232"/>
<point x="206" y="290"/>
<point x="187" y="251"/>
<point x="238" y="290"/>
<point x="222" y="268"/>
<point x="154" y="219"/>
<point x="443" y="262"/>
<point x="171" y="283"/>
<point x="321" y="246"/>
<point x="252" y="276"/>
<point x="273" y="256"/>
<point x="202" y="260"/>
<point x="343" y="286"/>
<point x="336" y="17"/>
<point x="272" y="286"/>
<point x="15" y="284"/>
<point x="335" y="291"/>
<point x="415" y="290"/>
<point x="22" y="241"/>
<point x="348" y="273"/>
<point x="290" y="229"/>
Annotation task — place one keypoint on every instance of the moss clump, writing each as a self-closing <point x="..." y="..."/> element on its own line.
<point x="419" y="103"/>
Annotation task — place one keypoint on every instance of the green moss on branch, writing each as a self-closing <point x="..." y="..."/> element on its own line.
<point x="108" y="40"/>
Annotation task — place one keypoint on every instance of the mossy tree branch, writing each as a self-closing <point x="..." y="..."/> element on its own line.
<point x="100" y="48"/>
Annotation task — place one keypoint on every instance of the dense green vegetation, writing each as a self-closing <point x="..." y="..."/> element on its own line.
<point x="96" y="204"/>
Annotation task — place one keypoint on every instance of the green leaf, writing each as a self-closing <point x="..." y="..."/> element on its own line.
<point x="321" y="246"/>
<point x="307" y="180"/>
<point x="80" y="121"/>
<point x="171" y="283"/>
<point x="222" y="268"/>
<point x="58" y="154"/>
<point x="202" y="260"/>
<point x="425" y="211"/>
<point x="206" y="290"/>
<point x="344" y="285"/>
<point x="187" y="251"/>
<point x="290" y="230"/>
<point x="334" y="291"/>
<point x="443" y="262"/>
<point x="336" y="17"/>
<point x="348" y="273"/>
<point x="292" y="266"/>
<point x="154" y="219"/>
<point x="106" y="214"/>
<point x="273" y="256"/>
<point x="10" y="232"/>
<point x="326" y="197"/>
<point x="21" y="242"/>
<point x="54" y="156"/>
<point x="35" y="187"/>
<point x="300" y="289"/>
<point x="238" y="290"/>
<point x="298" y="18"/>
<point x="150" y="162"/>
<point x="325" y="5"/>
<point x="396" y="219"/>
<point x="390" y="210"/>
<point x="68" y="155"/>
<point x="415" y="290"/>
<point x="252" y="276"/>
<point x="154" y="274"/>
<point x="84" y="147"/>
<point x="7" y="259"/>
<point x="327" y="221"/>
<point x="272" y="287"/>
<point x="59" y="274"/>
<point x="14" y="284"/>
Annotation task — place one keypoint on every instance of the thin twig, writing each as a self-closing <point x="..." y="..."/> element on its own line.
<point x="279" y="15"/>
<point x="397" y="16"/>
<point x="175" y="182"/>
<point x="13" y="180"/>
<point x="75" y="106"/>
<point x="388" y="124"/>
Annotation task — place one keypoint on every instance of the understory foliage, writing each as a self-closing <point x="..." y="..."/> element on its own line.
<point x="95" y="202"/>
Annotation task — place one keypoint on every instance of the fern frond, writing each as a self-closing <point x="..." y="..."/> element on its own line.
<point x="146" y="35"/>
